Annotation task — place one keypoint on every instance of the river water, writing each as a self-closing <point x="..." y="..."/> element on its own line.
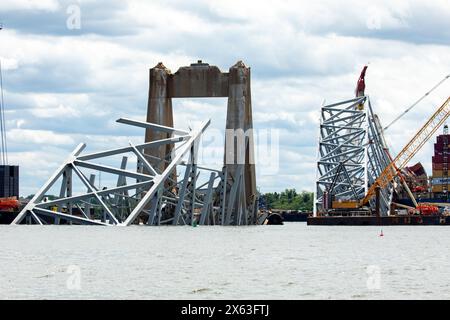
<point x="292" y="261"/>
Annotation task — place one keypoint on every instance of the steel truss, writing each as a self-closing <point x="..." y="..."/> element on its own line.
<point x="154" y="197"/>
<point x="352" y="154"/>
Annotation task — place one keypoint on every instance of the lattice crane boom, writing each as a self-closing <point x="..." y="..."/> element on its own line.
<point x="414" y="145"/>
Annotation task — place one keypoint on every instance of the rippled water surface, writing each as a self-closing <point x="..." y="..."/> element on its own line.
<point x="293" y="261"/>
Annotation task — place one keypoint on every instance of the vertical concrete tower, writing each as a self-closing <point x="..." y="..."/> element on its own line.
<point x="159" y="111"/>
<point x="239" y="148"/>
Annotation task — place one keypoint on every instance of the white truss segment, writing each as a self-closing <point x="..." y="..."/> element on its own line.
<point x="352" y="153"/>
<point x="150" y="199"/>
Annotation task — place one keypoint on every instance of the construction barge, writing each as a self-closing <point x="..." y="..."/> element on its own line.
<point x="422" y="200"/>
<point x="359" y="181"/>
<point x="414" y="220"/>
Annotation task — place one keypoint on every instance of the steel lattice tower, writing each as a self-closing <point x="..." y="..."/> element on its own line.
<point x="352" y="154"/>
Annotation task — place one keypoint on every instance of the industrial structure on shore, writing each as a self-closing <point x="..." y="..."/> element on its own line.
<point x="440" y="162"/>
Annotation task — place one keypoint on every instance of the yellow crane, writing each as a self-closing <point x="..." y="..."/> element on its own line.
<point x="416" y="143"/>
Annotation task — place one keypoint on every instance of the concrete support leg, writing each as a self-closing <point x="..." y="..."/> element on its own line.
<point x="239" y="144"/>
<point x="160" y="112"/>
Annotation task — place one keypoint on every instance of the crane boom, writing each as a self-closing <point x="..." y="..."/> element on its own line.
<point x="416" y="143"/>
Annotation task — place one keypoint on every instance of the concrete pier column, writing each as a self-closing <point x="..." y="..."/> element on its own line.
<point x="159" y="111"/>
<point x="239" y="142"/>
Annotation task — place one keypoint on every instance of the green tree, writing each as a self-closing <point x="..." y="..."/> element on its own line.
<point x="289" y="199"/>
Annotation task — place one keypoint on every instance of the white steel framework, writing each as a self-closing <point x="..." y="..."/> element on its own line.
<point x="352" y="154"/>
<point x="153" y="197"/>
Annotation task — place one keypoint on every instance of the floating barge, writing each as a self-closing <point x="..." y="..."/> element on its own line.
<point x="406" y="220"/>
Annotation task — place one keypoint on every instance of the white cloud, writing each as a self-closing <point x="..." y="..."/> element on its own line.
<point x="59" y="111"/>
<point x="38" y="137"/>
<point x="45" y="5"/>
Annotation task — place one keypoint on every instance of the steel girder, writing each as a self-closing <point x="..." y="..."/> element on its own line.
<point x="153" y="197"/>
<point x="350" y="137"/>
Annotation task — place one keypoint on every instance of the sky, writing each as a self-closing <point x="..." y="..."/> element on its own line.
<point x="71" y="68"/>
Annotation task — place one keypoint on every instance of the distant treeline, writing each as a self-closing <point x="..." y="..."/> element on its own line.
<point x="289" y="199"/>
<point x="49" y="197"/>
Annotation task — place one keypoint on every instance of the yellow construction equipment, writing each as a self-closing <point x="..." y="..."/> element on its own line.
<point x="347" y="204"/>
<point x="402" y="159"/>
